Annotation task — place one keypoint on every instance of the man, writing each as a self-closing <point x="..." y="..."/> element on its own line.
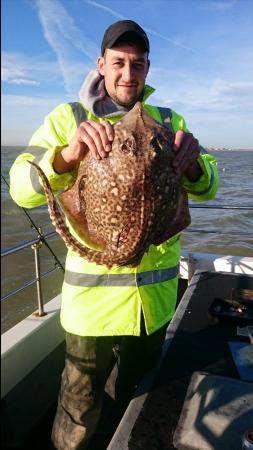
<point x="108" y="312"/>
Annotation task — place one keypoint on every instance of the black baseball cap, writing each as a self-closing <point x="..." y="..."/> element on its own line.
<point x="118" y="29"/>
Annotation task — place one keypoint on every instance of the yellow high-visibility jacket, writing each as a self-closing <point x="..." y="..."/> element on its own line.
<point x="97" y="301"/>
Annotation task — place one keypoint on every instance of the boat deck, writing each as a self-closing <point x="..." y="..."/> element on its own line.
<point x="195" y="341"/>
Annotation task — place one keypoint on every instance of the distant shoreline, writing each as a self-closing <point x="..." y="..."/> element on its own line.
<point x="212" y="149"/>
<point x="209" y="149"/>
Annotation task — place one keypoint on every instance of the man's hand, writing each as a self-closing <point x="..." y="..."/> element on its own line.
<point x="186" y="153"/>
<point x="89" y="136"/>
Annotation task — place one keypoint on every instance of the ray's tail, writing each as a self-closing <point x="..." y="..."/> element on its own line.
<point x="58" y="221"/>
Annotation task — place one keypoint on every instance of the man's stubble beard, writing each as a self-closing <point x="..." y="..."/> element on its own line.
<point x="127" y="104"/>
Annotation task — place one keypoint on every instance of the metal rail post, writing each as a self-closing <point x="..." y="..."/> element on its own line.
<point x="36" y="248"/>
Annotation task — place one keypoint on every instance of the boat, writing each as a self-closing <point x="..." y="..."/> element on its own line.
<point x="32" y="359"/>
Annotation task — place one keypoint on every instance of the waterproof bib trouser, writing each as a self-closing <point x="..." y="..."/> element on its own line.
<point x="102" y="308"/>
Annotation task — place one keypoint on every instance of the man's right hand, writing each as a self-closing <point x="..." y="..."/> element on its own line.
<point x="89" y="136"/>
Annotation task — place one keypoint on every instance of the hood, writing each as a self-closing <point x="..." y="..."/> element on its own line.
<point x="94" y="98"/>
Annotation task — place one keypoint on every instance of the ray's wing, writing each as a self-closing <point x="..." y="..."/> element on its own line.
<point x="73" y="203"/>
<point x="58" y="221"/>
<point x="180" y="221"/>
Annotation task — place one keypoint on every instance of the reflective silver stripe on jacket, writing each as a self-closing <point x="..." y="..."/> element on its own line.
<point x="38" y="153"/>
<point x="124" y="279"/>
<point x="79" y="112"/>
<point x="166" y="116"/>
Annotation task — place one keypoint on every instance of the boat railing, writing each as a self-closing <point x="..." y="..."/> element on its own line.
<point x="37" y="243"/>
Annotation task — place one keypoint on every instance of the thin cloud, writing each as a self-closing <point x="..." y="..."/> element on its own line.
<point x="148" y="30"/>
<point x="18" y="107"/>
<point x="58" y="24"/>
<point x="20" y="69"/>
<point x="218" y="96"/>
<point x="105" y="8"/>
<point x="10" y="100"/>
<point x="218" y="6"/>
<point x="64" y="37"/>
<point x="227" y="88"/>
<point x="15" y="73"/>
<point x="21" y="81"/>
<point x="171" y="41"/>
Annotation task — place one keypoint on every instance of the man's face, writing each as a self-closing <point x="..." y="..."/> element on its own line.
<point x="124" y="68"/>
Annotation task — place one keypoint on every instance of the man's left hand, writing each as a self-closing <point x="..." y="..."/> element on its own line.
<point x="186" y="148"/>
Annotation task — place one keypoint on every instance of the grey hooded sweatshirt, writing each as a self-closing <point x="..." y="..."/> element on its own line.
<point x="95" y="99"/>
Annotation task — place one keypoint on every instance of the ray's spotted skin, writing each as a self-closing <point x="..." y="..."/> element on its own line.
<point x="122" y="204"/>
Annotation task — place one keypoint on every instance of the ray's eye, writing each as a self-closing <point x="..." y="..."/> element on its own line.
<point x="153" y="142"/>
<point x="129" y="145"/>
<point x="125" y="148"/>
<point x="158" y="143"/>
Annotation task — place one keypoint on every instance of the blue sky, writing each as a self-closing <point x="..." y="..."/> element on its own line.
<point x="201" y="61"/>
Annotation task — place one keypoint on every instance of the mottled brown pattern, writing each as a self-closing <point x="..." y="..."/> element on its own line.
<point x="124" y="203"/>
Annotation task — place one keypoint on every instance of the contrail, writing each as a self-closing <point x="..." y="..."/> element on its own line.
<point x="172" y="41"/>
<point x="63" y="35"/>
<point x="119" y="16"/>
<point x="111" y="11"/>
